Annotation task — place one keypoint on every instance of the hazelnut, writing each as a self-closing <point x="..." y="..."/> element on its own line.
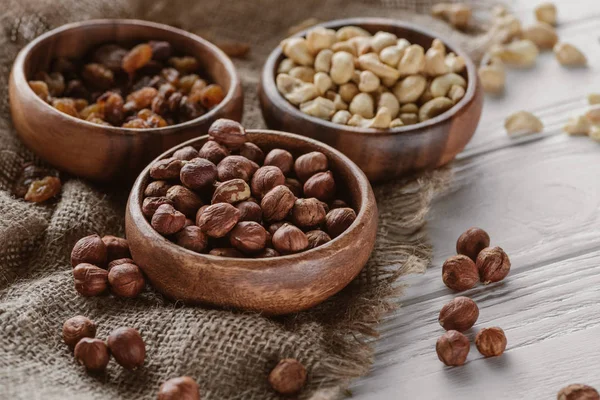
<point x="89" y="279"/>
<point x="198" y="173"/>
<point x="460" y="273"/>
<point x="471" y="242"/>
<point x="452" y="348"/>
<point x="126" y="280"/>
<point x="265" y="179"/>
<point x="491" y="342"/>
<point x="127" y="347"/>
<point x="168" y="168"/>
<point x="226" y="252"/>
<point x="249" y="211"/>
<point x="228" y="133"/>
<point x="338" y="220"/>
<point x="460" y="314"/>
<point x="288" y="377"/>
<point x="252" y="152"/>
<point x="167" y="220"/>
<point x="217" y="220"/>
<point x="282" y="159"/>
<point x="192" y="238"/>
<point x="308" y="212"/>
<point x="267" y="253"/>
<point x="248" y="237"/>
<point x="120" y="261"/>
<point x="184" y="200"/>
<point x="277" y="203"/>
<point x="157" y="189"/>
<point x="116" y="248"/>
<point x="338" y="204"/>
<point x="90" y="249"/>
<point x="289" y="239"/>
<point x="578" y="392"/>
<point x="151" y="204"/>
<point x="188" y="222"/>
<point x="273" y="227"/>
<point x="76" y="328"/>
<point x="236" y="167"/>
<point x="92" y="354"/>
<point x="309" y="164"/>
<point x="493" y="265"/>
<point x="295" y="186"/>
<point x="182" y="388"/>
<point x="232" y="191"/>
<point x="317" y="238"/>
<point x="200" y="212"/>
<point x="213" y="152"/>
<point x="321" y="185"/>
<point x="186" y="153"/>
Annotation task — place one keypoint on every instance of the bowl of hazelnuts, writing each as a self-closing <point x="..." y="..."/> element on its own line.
<point x="393" y="97"/>
<point x="102" y="98"/>
<point x="257" y="220"/>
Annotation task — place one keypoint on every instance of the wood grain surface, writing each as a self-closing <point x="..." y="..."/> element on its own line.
<point x="538" y="198"/>
<point x="382" y="154"/>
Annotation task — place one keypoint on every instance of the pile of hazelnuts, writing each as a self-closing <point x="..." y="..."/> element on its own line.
<point x="475" y="261"/>
<point x="99" y="263"/>
<point x="231" y="198"/>
<point x="124" y="344"/>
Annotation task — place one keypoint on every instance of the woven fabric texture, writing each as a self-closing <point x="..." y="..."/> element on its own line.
<point x="228" y="353"/>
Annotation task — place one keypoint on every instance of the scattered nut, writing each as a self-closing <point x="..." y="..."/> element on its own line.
<point x="76" y="328"/>
<point x="593" y="114"/>
<point x="460" y="314"/>
<point x="542" y="34"/>
<point x="471" y="242"/>
<point x="493" y="76"/>
<point x="90" y="280"/>
<point x="92" y="354"/>
<point x="520" y="53"/>
<point x="593" y="98"/>
<point x="569" y="55"/>
<point x="457" y="14"/>
<point x="522" y="123"/>
<point x="578" y="125"/>
<point x="493" y="265"/>
<point x="491" y="342"/>
<point x="460" y="273"/>
<point x="452" y="348"/>
<point x="127" y="347"/>
<point x="578" y="392"/>
<point x="90" y="249"/>
<point x="182" y="388"/>
<point x="126" y="280"/>
<point x="288" y="377"/>
<point x="546" y="12"/>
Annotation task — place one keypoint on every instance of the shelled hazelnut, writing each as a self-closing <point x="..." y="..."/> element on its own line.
<point x="127" y="347"/>
<point x="146" y="86"/>
<point x="460" y="273"/>
<point x="491" y="342"/>
<point x="460" y="314"/>
<point x="92" y="354"/>
<point x="76" y="328"/>
<point x="493" y="264"/>
<point x="255" y="210"/>
<point x="452" y="348"/>
<point x="126" y="280"/>
<point x="578" y="391"/>
<point x="352" y="77"/>
<point x="471" y="242"/>
<point x="90" y="249"/>
<point x="288" y="377"/>
<point x="90" y="280"/>
<point x="181" y="388"/>
<point x="116" y="248"/>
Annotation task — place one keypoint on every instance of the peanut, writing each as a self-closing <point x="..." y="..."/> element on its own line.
<point x="363" y="105"/>
<point x="456" y="93"/>
<point x="341" y="117"/>
<point x="389" y="101"/>
<point x="542" y="34"/>
<point x="381" y="40"/>
<point x="381" y="120"/>
<point x="396" y="123"/>
<point x="455" y="63"/>
<point x="320" y="38"/>
<point x="522" y="123"/>
<point x="546" y="12"/>
<point x="323" y="61"/>
<point x="342" y="67"/>
<point x="493" y="76"/>
<point x="348" y="32"/>
<point x="285" y="66"/>
<point x="369" y="82"/>
<point x="303" y="73"/>
<point x="391" y="55"/>
<point x="348" y="91"/>
<point x="578" y="125"/>
<point x="323" y="82"/>
<point x="435" y="62"/>
<point x="569" y="55"/>
<point x="521" y="53"/>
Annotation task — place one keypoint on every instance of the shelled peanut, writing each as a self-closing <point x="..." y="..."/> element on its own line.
<point x="147" y="86"/>
<point x="231" y="198"/>
<point x="352" y="77"/>
<point x="587" y="123"/>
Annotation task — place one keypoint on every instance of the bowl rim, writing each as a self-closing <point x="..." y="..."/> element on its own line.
<point x="270" y="88"/>
<point x="367" y="198"/>
<point x="228" y="66"/>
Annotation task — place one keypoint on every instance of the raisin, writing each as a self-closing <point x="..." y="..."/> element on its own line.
<point x="152" y="119"/>
<point x="212" y="95"/>
<point x="54" y="80"/>
<point x="97" y="120"/>
<point x="76" y="89"/>
<point x="43" y="189"/>
<point x="136" y="123"/>
<point x="185" y="64"/>
<point x="41" y="89"/>
<point x="171" y="75"/>
<point x="98" y="76"/>
<point x="187" y="82"/>
<point x="66" y="67"/>
<point x="161" y="50"/>
<point x="166" y="89"/>
<point x="110" y="55"/>
<point x="29" y="173"/>
<point x="160" y="105"/>
<point x="196" y="91"/>
<point x="66" y="105"/>
<point x="136" y="58"/>
<point x="174" y="102"/>
<point x="80" y="104"/>
<point x="140" y="99"/>
<point x="112" y="104"/>
<point x="95" y="109"/>
<point x="152" y="67"/>
<point x="189" y="111"/>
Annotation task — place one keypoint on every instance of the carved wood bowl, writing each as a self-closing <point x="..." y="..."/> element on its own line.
<point x="98" y="152"/>
<point x="273" y="286"/>
<point x="382" y="154"/>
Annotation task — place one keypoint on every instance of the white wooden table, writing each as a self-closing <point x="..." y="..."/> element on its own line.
<point x="539" y="199"/>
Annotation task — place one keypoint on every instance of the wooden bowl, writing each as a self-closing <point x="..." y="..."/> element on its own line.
<point x="382" y="154"/>
<point x="277" y="285"/>
<point x="109" y="153"/>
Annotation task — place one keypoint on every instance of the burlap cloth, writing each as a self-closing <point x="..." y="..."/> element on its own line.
<point x="229" y="353"/>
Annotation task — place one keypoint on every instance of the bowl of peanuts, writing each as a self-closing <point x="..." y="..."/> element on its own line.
<point x="391" y="96"/>
<point x="99" y="99"/>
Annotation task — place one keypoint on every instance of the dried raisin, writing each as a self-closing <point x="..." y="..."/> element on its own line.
<point x="110" y="55"/>
<point x="185" y="64"/>
<point x="211" y="96"/>
<point x="43" y="189"/>
<point x="98" y="76"/>
<point x="41" y="89"/>
<point x="136" y="58"/>
<point x="66" y="105"/>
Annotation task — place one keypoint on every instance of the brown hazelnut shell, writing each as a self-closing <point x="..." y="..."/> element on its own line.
<point x="288" y="377"/>
<point x="127" y="347"/>
<point x="92" y="353"/>
<point x="491" y="342"/>
<point x="471" y="242"/>
<point x="90" y="280"/>
<point x="460" y="273"/>
<point x="493" y="264"/>
<point x="452" y="348"/>
<point x="76" y="328"/>
<point x="460" y="314"/>
<point x="116" y="248"/>
<point x="90" y="249"/>
<point x="181" y="388"/>
<point x="126" y="280"/>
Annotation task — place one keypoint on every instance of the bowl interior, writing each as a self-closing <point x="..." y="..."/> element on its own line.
<point x="412" y="33"/>
<point x="352" y="187"/>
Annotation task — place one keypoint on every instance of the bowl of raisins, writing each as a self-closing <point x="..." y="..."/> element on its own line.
<point x="99" y="99"/>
